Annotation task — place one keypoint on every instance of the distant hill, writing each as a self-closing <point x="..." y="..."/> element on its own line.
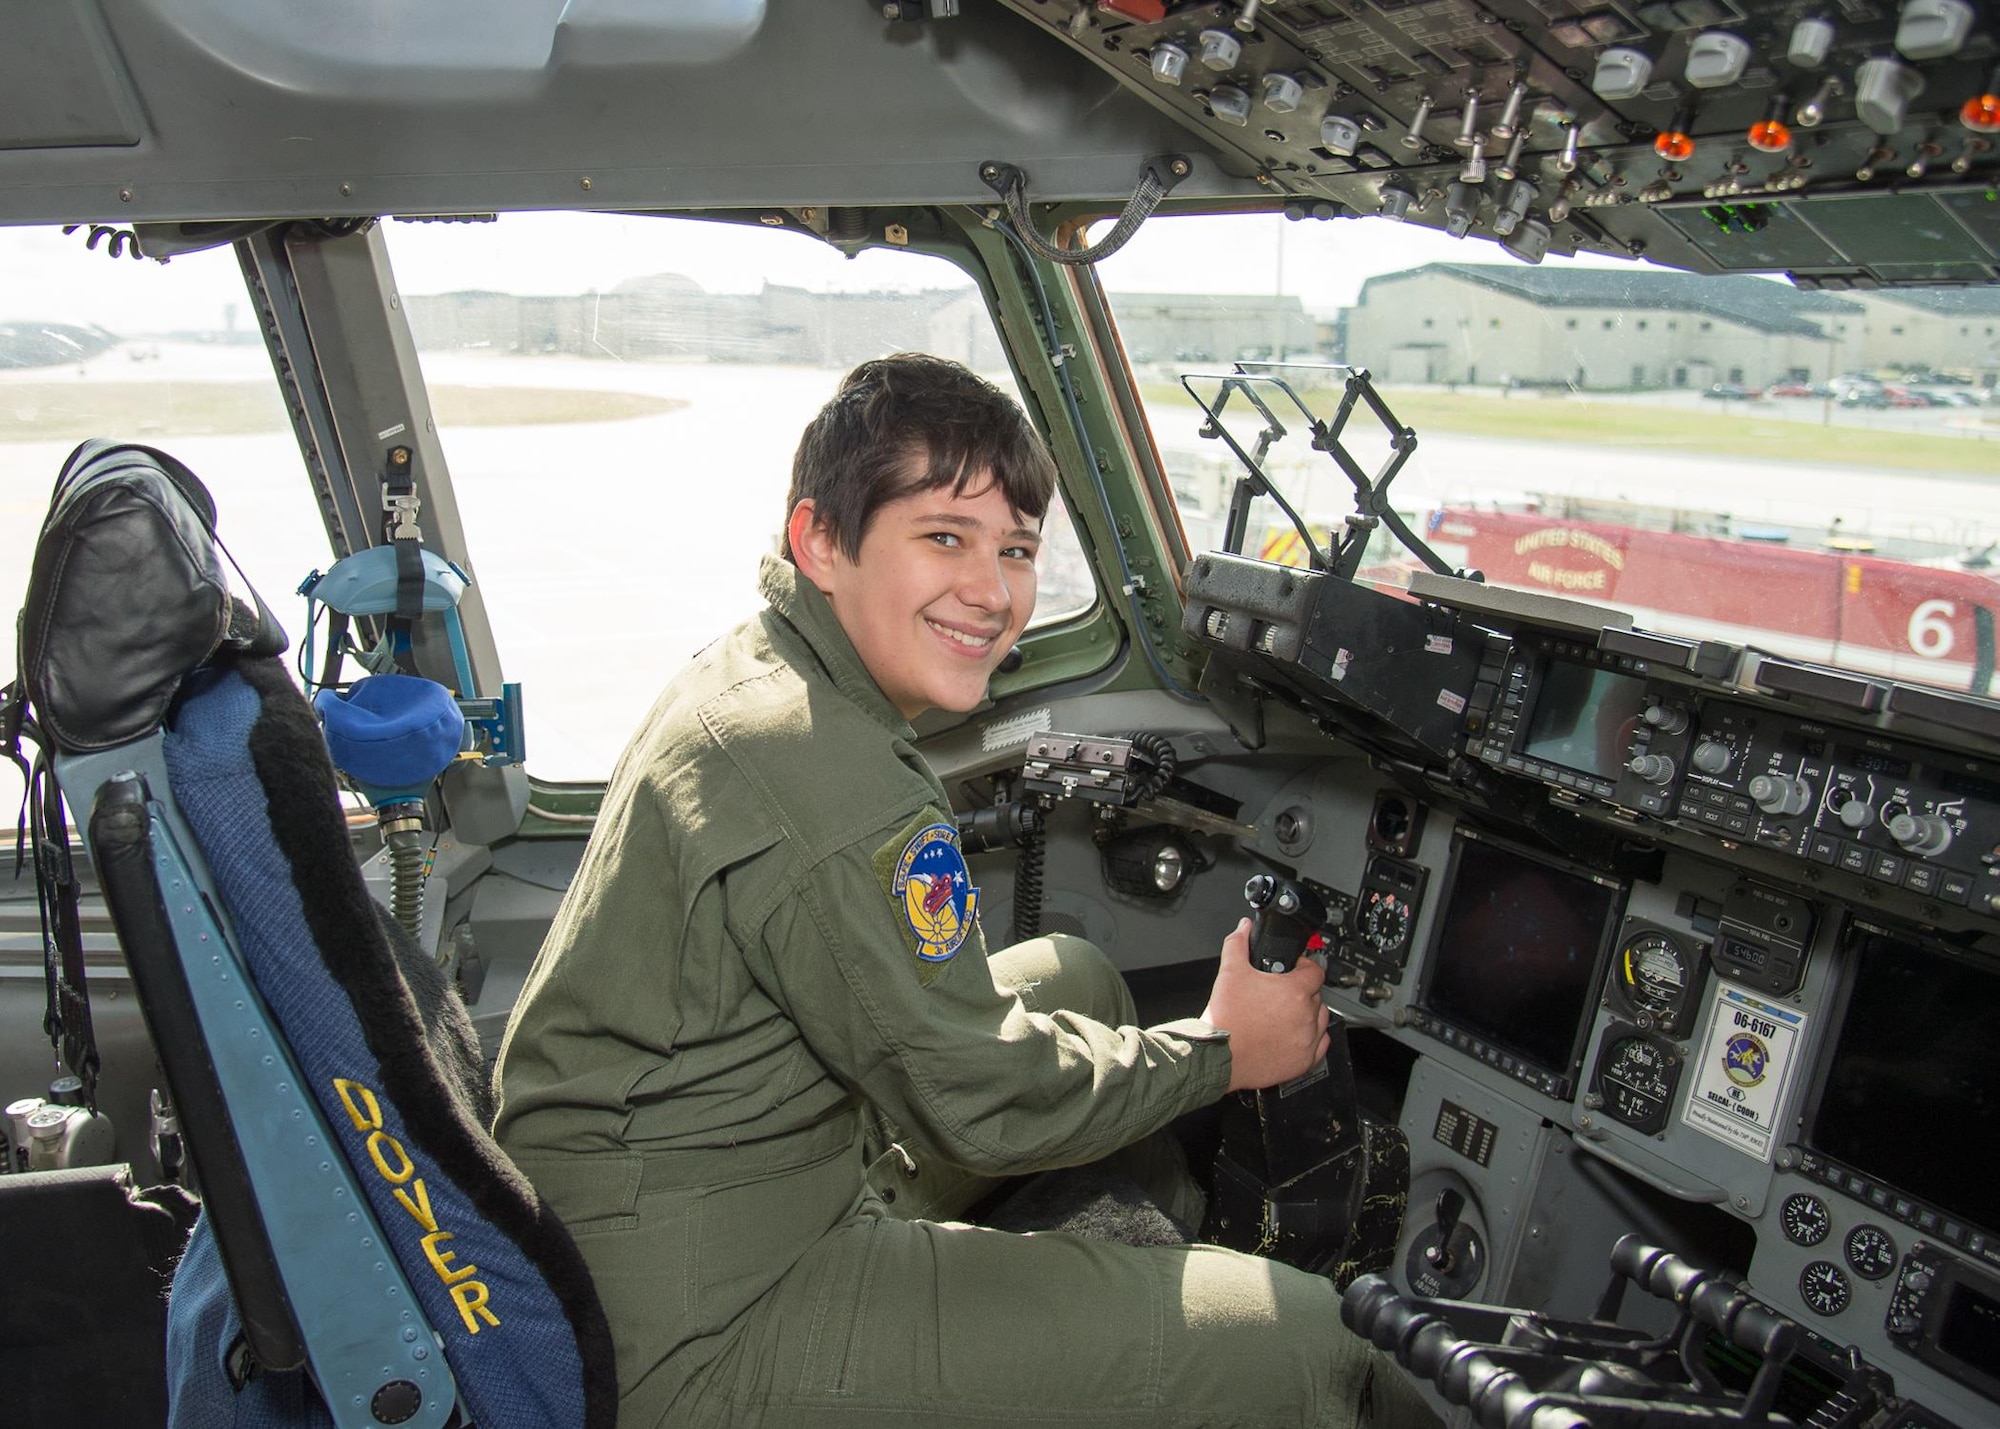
<point x="38" y="344"/>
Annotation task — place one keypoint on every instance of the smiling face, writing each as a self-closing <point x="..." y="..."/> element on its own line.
<point x="941" y="588"/>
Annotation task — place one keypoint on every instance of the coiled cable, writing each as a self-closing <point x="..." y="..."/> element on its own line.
<point x="1028" y="886"/>
<point x="1166" y="763"/>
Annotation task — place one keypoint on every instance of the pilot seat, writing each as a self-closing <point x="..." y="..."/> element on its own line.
<point x="365" y="1254"/>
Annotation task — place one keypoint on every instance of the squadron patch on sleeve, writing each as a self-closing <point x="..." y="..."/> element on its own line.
<point x="931" y="890"/>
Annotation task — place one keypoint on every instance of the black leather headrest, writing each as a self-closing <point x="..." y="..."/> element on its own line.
<point x="127" y="597"/>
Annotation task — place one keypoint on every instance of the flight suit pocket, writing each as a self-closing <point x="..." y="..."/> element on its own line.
<point x="837" y="1280"/>
<point x="752" y="1233"/>
<point x="590" y="1193"/>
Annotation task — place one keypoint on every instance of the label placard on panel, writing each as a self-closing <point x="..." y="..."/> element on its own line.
<point x="1744" y="1069"/>
<point x="1470" y="1136"/>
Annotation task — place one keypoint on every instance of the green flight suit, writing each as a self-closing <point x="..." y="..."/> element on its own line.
<point x="731" y="982"/>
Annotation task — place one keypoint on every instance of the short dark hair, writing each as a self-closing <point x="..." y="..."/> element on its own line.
<point x="909" y="423"/>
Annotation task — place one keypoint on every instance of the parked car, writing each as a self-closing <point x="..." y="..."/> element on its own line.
<point x="1732" y="392"/>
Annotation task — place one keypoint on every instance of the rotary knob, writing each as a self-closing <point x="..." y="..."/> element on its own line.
<point x="1711" y="757"/>
<point x="1775" y="794"/>
<point x="1857" y="812"/>
<point x="1666" y="718"/>
<point x="1653" y="768"/>
<point x="1220" y="50"/>
<point x="1925" y="835"/>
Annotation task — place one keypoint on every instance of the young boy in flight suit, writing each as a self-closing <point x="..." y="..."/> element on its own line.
<point x="773" y="939"/>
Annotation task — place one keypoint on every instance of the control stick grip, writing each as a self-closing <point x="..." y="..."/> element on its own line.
<point x="1747" y="1323"/>
<point x="1285" y="915"/>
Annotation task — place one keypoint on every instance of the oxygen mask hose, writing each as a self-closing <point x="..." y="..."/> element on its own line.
<point x="403" y="830"/>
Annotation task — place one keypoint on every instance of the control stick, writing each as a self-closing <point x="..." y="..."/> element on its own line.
<point x="1300" y="1177"/>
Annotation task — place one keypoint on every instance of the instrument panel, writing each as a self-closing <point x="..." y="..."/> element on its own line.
<point x="1716" y="930"/>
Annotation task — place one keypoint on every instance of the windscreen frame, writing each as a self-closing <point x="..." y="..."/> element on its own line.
<point x="1486" y="1041"/>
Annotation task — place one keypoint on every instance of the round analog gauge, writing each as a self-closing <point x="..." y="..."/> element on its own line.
<point x="1870" y="1252"/>
<point x="1636" y="1078"/>
<point x="1823" y="1286"/>
<point x="1805" y="1219"/>
<point x="1385" y="923"/>
<point x="1653" y="971"/>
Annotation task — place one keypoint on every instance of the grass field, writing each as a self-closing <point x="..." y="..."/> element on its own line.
<point x="1720" y="428"/>
<point x="54" y="411"/>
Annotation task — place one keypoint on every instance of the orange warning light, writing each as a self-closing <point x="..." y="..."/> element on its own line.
<point x="1981" y="113"/>
<point x="1773" y="136"/>
<point x="1674" y="146"/>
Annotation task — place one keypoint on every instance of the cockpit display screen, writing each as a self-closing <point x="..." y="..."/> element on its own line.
<point x="1913" y="1082"/>
<point x="1519" y="945"/>
<point x="1583" y="718"/>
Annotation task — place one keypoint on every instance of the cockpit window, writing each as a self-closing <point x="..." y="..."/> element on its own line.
<point x="619" y="399"/>
<point x="1727" y="458"/>
<point x="97" y="345"/>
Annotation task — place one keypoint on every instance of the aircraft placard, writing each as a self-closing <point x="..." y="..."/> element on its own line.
<point x="1744" y="1069"/>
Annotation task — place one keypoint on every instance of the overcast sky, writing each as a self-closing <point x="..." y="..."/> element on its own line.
<point x="53" y="277"/>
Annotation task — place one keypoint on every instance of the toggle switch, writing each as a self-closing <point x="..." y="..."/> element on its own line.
<point x="1414" y="139"/>
<point x="1813" y="110"/>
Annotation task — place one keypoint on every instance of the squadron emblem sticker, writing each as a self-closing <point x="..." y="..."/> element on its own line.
<point x="1744" y="1060"/>
<point x="933" y="888"/>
